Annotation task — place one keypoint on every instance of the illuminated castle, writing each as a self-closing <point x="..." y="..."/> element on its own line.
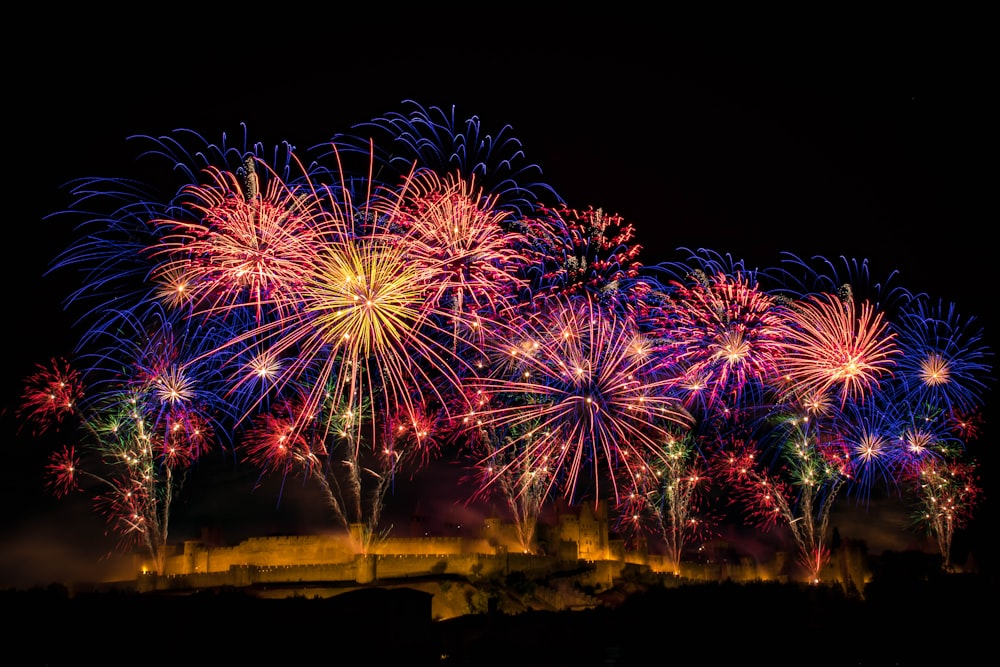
<point x="577" y="534"/>
<point x="580" y="534"/>
<point x="578" y="540"/>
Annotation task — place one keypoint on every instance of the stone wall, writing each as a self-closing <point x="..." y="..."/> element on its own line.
<point x="197" y="558"/>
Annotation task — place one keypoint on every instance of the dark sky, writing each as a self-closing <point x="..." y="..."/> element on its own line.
<point x="864" y="142"/>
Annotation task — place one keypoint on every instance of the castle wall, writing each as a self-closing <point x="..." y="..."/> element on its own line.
<point x="338" y="558"/>
<point x="505" y="535"/>
<point x="466" y="565"/>
<point x="745" y="570"/>
<point x="529" y="564"/>
<point x="239" y="576"/>
<point x="423" y="546"/>
<point x="262" y="552"/>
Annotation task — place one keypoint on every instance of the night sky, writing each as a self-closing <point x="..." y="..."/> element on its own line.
<point x="870" y="143"/>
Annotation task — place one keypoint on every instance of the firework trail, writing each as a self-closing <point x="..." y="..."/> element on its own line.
<point x="508" y="465"/>
<point x="671" y="495"/>
<point x="799" y="493"/>
<point x="946" y="492"/>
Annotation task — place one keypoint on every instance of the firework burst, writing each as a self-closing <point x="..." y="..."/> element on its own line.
<point x="51" y="394"/>
<point x="725" y="336"/>
<point x="944" y="363"/>
<point x="590" y="251"/>
<point x="237" y="244"/>
<point x="832" y="345"/>
<point x="451" y="227"/>
<point x="586" y="383"/>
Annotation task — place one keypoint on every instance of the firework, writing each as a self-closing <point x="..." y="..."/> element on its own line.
<point x="371" y="340"/>
<point x="946" y="493"/>
<point x="435" y="139"/>
<point x="944" y="362"/>
<point x="926" y="434"/>
<point x="51" y="394"/>
<point x="725" y="336"/>
<point x="62" y="472"/>
<point x="582" y="376"/>
<point x="589" y="251"/>
<point x="799" y="492"/>
<point x="671" y="494"/>
<point x="451" y="227"/>
<point x="830" y="344"/>
<point x="237" y="244"/>
<point x="871" y="434"/>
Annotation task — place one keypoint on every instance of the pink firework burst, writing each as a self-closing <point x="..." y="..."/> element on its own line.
<point x="187" y="437"/>
<point x="725" y="335"/>
<point x="589" y="251"/>
<point x="450" y="225"/>
<point x="244" y="245"/>
<point x="415" y="435"/>
<point x="594" y="249"/>
<point x="831" y="345"/>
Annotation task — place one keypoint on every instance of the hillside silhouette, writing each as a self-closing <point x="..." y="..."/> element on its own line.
<point x="910" y="613"/>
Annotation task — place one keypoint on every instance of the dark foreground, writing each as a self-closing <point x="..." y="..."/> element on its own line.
<point x="947" y="620"/>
